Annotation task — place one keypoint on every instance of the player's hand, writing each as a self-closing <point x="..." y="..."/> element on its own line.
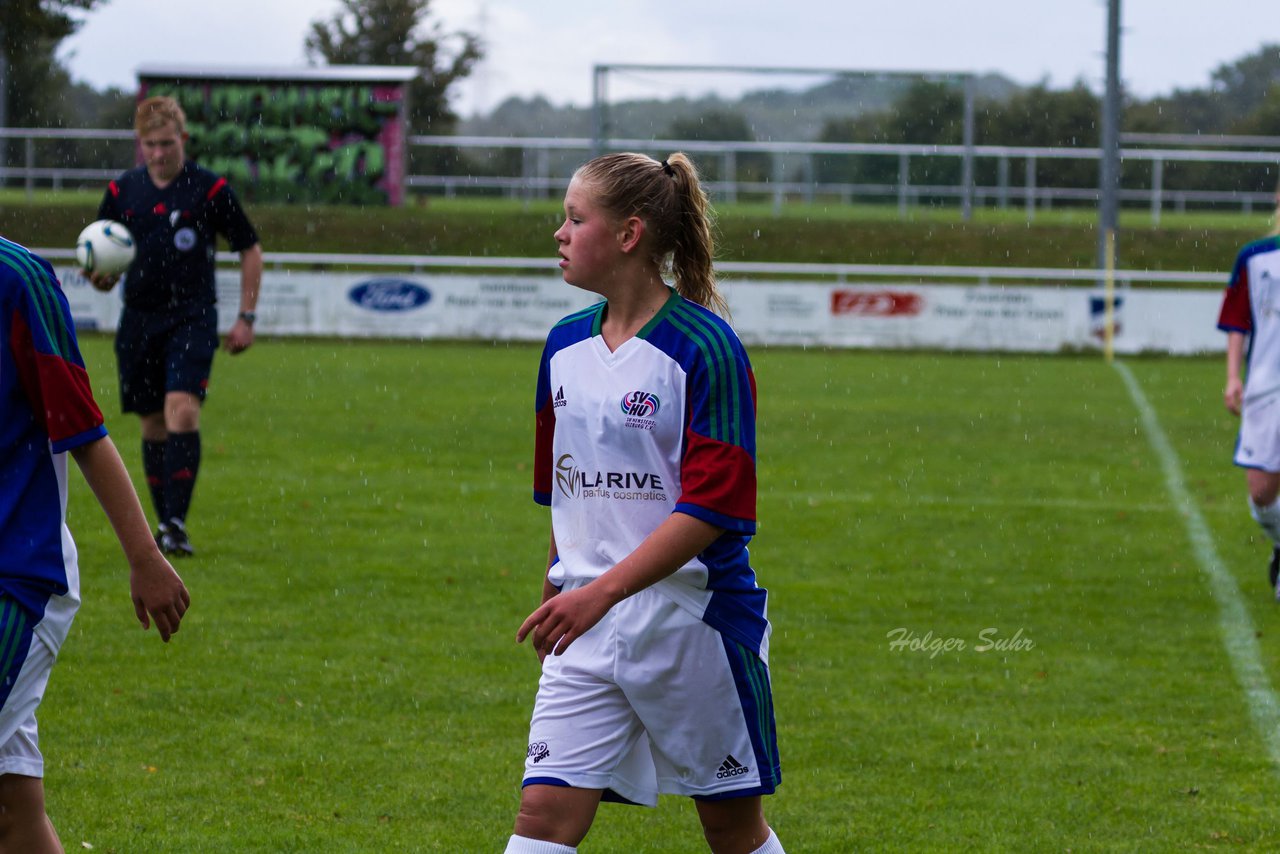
<point x="158" y="594"/>
<point x="564" y="618"/>
<point x="239" y="338"/>
<point x="101" y="281"/>
<point x="1233" y="396"/>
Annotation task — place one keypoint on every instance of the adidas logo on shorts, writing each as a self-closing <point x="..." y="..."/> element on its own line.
<point x="731" y="768"/>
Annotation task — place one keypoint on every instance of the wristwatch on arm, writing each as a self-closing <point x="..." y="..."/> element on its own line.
<point x="248" y="316"/>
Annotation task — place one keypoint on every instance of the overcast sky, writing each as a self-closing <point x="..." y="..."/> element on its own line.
<point x="549" y="47"/>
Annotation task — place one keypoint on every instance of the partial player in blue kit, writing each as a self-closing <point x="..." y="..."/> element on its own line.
<point x="1252" y="391"/>
<point x="652" y="633"/>
<point x="47" y="410"/>
<point x="168" y="331"/>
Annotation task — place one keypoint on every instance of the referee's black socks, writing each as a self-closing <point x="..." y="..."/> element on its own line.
<point x="153" y="466"/>
<point x="182" y="463"/>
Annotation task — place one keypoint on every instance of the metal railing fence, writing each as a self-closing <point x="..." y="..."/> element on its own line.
<point x="780" y="172"/>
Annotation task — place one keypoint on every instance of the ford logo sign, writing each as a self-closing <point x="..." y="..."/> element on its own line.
<point x="389" y="295"/>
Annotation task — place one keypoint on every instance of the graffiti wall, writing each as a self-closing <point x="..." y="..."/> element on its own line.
<point x="300" y="136"/>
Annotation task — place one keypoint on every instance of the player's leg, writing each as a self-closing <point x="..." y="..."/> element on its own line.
<point x="154" y="439"/>
<point x="189" y="363"/>
<point x="24" y="824"/>
<point x="737" y="826"/>
<point x="1263" y="489"/>
<point x="1265" y="509"/>
<point x="707" y="707"/>
<point x="584" y="740"/>
<point x="1258" y="452"/>
<point x="26" y="660"/>
<point x="141" y="366"/>
<point x="557" y="814"/>
<point x="182" y="464"/>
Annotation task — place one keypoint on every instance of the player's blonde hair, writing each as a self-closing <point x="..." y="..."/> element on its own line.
<point x="668" y="197"/>
<point x="157" y="112"/>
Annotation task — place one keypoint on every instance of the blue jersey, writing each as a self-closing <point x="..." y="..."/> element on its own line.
<point x="175" y="229"/>
<point x="666" y="423"/>
<point x="46" y="409"/>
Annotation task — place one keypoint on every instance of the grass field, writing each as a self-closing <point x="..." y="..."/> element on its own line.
<point x="347" y="679"/>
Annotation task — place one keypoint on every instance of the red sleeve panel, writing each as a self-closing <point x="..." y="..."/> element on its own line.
<point x="59" y="391"/>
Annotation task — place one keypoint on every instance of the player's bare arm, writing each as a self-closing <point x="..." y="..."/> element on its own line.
<point x="158" y="593"/>
<point x="1233" y="393"/>
<point x="564" y="618"/>
<point x="240" y="336"/>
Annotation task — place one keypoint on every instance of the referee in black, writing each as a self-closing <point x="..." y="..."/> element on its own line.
<point x="168" y="330"/>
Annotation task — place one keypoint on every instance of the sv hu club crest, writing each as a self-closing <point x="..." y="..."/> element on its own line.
<point x="640" y="404"/>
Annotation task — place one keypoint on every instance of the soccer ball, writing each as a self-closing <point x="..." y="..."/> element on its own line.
<point x="105" y="247"/>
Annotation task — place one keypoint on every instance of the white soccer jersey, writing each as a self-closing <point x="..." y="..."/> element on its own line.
<point x="666" y="423"/>
<point x="1252" y="306"/>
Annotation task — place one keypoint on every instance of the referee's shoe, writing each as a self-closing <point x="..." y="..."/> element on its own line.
<point x="174" y="540"/>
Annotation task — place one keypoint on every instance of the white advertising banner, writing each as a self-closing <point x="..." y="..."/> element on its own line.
<point x="1014" y="318"/>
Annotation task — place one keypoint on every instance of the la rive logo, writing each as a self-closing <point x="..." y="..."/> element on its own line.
<point x="568" y="478"/>
<point x="389" y="295"/>
<point x="640" y="407"/>
<point x="574" y="482"/>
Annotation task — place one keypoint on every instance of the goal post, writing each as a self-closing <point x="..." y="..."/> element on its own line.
<point x="965" y="80"/>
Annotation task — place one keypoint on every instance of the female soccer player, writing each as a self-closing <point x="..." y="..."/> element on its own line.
<point x="652" y="631"/>
<point x="1248" y="312"/>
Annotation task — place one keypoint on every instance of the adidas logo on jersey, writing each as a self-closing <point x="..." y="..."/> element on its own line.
<point x="731" y="768"/>
<point x="558" y="401"/>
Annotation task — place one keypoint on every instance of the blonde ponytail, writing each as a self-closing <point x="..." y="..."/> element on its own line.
<point x="669" y="198"/>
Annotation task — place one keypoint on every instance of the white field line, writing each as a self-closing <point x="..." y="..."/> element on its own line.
<point x="1238" y="635"/>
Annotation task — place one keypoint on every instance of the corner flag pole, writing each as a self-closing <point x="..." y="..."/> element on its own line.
<point x="1109" y="175"/>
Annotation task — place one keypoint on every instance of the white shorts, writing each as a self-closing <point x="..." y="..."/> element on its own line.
<point x="1258" y="446"/>
<point x="27" y="655"/>
<point x="654" y="701"/>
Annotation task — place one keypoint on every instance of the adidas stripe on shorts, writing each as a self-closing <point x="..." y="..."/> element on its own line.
<point x="652" y="701"/>
<point x="28" y="650"/>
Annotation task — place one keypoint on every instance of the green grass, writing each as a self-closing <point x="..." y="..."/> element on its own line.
<point x="861" y="234"/>
<point x="347" y="678"/>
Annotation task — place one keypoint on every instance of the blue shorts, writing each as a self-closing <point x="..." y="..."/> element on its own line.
<point x="160" y="352"/>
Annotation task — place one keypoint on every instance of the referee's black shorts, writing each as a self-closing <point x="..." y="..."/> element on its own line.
<point x="163" y="351"/>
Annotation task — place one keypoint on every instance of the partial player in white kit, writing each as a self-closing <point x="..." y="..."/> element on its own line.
<point x="1250" y="316"/>
<point x="652" y="632"/>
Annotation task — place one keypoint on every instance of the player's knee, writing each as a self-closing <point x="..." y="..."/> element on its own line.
<point x="534" y="824"/>
<point x="22" y="817"/>
<point x="545" y="816"/>
<point x="733" y="825"/>
<point x="1262" y="494"/>
<point x="181" y="412"/>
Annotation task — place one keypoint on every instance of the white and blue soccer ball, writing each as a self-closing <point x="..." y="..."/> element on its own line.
<point x="105" y="247"/>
